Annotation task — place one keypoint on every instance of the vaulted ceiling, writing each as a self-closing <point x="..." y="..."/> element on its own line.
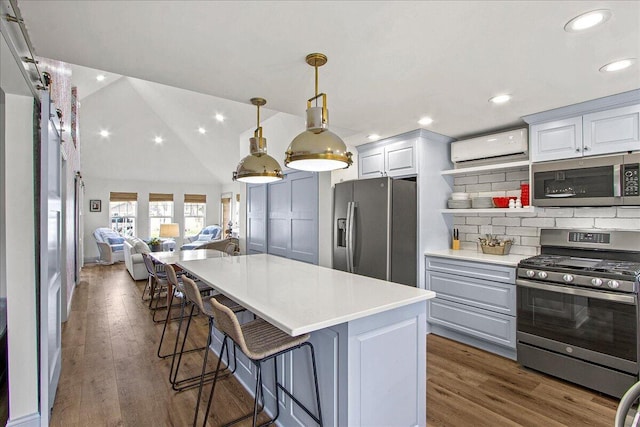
<point x="390" y="62"/>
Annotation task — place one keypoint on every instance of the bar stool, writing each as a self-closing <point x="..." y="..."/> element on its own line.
<point x="157" y="282"/>
<point x="178" y="292"/>
<point x="194" y="296"/>
<point x="259" y="341"/>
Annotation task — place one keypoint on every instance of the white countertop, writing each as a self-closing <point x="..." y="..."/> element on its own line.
<point x="298" y="297"/>
<point x="173" y="257"/>
<point x="467" y="255"/>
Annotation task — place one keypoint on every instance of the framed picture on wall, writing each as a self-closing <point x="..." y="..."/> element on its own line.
<point x="95" y="205"/>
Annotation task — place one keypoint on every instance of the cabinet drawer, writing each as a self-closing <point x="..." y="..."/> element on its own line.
<point x="494" y="296"/>
<point x="494" y="272"/>
<point x="483" y="324"/>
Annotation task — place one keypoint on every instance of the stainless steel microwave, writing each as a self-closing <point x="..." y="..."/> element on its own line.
<point x="587" y="181"/>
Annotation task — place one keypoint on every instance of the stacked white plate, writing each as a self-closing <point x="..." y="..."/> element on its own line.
<point x="481" y="202"/>
<point x="459" y="196"/>
<point x="459" y="204"/>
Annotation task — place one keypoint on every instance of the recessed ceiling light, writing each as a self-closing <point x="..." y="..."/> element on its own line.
<point x="617" y="65"/>
<point x="220" y="117"/>
<point x="100" y="77"/>
<point x="425" y="121"/>
<point x="202" y="130"/>
<point x="104" y="133"/>
<point x="500" y="99"/>
<point x="588" y="20"/>
<point x="158" y="140"/>
<point x="373" y="137"/>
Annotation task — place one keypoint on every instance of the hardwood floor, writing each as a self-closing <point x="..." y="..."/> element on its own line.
<point x="470" y="387"/>
<point x="111" y="375"/>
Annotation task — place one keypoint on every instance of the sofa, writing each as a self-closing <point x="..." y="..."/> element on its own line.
<point x="206" y="235"/>
<point x="110" y="245"/>
<point x="133" y="250"/>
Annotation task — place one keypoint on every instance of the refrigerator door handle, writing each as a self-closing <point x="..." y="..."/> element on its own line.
<point x="350" y="236"/>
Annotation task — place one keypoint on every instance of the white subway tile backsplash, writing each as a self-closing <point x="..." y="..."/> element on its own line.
<point x="574" y="222"/>
<point x="511" y="221"/>
<point x="524" y="250"/>
<point x="618" y="223"/>
<point x="624" y="212"/>
<point x="522" y="231"/>
<point x="554" y="212"/>
<point x="494" y="177"/>
<point x="475" y="188"/>
<point x="498" y="229"/>
<point x="506" y="185"/>
<point x="538" y="222"/>
<point x="464" y="180"/>
<point x="479" y="220"/>
<point x="468" y="229"/>
<point x="530" y="241"/>
<point x="608" y="212"/>
<point x="524" y="228"/>
<point x="520" y="175"/>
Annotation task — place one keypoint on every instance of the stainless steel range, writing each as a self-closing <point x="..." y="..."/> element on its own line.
<point x="578" y="308"/>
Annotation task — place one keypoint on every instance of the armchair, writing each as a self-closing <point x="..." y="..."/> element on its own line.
<point x="110" y="245"/>
<point x="206" y="235"/>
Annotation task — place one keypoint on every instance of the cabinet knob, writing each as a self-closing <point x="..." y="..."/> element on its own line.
<point x="578" y="150"/>
<point x="586" y="148"/>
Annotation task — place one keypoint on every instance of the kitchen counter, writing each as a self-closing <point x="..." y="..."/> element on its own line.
<point x="369" y="337"/>
<point x="298" y="297"/>
<point x="510" y="260"/>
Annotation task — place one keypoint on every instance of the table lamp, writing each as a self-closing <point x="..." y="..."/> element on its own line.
<point x="169" y="230"/>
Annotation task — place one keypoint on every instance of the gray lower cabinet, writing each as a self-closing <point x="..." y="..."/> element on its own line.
<point x="475" y="303"/>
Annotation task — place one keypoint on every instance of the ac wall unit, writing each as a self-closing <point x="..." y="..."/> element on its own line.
<point x="501" y="147"/>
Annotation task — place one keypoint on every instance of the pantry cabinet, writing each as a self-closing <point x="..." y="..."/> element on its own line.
<point x="475" y="303"/>
<point x="388" y="158"/>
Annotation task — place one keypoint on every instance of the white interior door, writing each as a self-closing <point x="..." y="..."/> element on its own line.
<point x="50" y="256"/>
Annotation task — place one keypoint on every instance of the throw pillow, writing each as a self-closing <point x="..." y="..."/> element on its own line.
<point x="115" y="240"/>
<point x="204" y="237"/>
<point x="141" y="247"/>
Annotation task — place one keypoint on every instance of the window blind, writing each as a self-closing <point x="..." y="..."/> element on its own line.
<point x="160" y="197"/>
<point x="121" y="196"/>
<point x="195" y="198"/>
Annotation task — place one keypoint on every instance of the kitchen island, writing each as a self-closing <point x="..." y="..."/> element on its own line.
<point x="369" y="336"/>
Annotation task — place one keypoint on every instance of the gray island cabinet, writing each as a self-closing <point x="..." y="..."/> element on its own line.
<point x="369" y="337"/>
<point x="476" y="299"/>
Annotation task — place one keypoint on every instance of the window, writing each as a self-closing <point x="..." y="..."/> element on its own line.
<point x="225" y="206"/>
<point x="160" y="212"/>
<point x="123" y="208"/>
<point x="195" y="213"/>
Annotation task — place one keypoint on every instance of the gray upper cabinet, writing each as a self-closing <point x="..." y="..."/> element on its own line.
<point x="602" y="126"/>
<point x="561" y="139"/>
<point x="611" y="131"/>
<point x="388" y="158"/>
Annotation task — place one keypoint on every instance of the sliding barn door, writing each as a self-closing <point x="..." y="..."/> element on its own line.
<point x="50" y="256"/>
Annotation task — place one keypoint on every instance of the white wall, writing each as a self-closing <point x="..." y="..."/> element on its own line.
<point x="20" y="275"/>
<point x="98" y="188"/>
<point x="280" y="131"/>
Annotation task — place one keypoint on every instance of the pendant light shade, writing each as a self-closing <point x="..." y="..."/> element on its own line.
<point x="317" y="149"/>
<point x="258" y="167"/>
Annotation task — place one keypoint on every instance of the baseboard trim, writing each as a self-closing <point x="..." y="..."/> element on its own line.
<point x="31" y="420"/>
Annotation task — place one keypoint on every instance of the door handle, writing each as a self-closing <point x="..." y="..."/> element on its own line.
<point x="617" y="179"/>
<point x="348" y="237"/>
<point x="351" y="208"/>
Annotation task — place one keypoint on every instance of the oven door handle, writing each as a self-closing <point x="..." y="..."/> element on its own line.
<point x="606" y="296"/>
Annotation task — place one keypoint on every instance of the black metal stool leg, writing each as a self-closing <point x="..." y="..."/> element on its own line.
<point x="213" y="384"/>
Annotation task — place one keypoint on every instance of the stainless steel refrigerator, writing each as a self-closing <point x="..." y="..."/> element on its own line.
<point x="375" y="229"/>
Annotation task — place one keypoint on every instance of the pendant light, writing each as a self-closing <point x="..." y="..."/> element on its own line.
<point x="258" y="167"/>
<point x="317" y="149"/>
